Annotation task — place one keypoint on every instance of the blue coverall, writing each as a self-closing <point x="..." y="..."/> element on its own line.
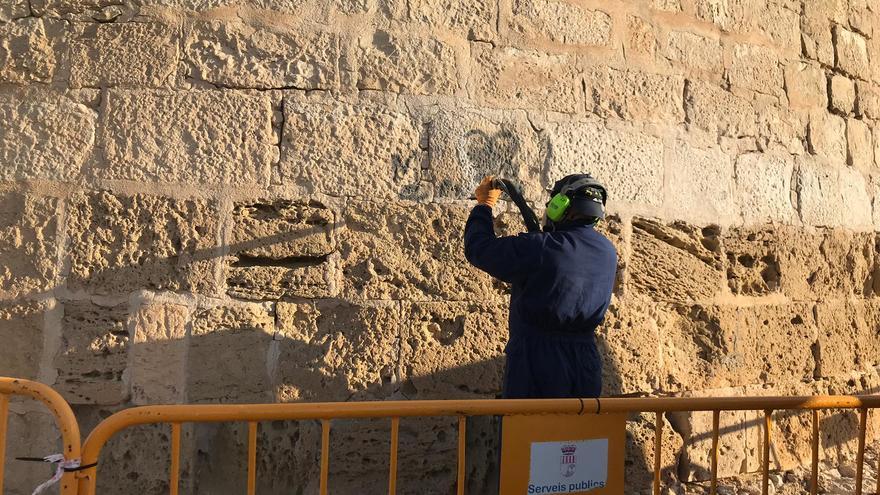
<point x="561" y="285"/>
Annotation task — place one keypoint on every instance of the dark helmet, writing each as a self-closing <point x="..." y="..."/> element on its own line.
<point x="587" y="198"/>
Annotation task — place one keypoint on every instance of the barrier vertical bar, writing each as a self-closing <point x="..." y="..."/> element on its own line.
<point x="392" y="474"/>
<point x="175" y="458"/>
<point x="325" y="454"/>
<point x="765" y="480"/>
<point x="252" y="458"/>
<point x="462" y="426"/>
<point x="814" y="476"/>
<point x="658" y="440"/>
<point x="716" y="416"/>
<point x="4" y="416"/>
<point x="860" y="457"/>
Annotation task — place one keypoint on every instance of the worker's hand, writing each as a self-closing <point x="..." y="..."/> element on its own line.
<point x="486" y="193"/>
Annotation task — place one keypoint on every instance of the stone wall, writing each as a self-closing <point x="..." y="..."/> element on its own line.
<point x="230" y="201"/>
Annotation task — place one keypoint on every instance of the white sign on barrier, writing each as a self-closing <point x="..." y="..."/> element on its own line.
<point x="568" y="467"/>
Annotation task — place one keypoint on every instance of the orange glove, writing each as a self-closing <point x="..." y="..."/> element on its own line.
<point x="486" y="194"/>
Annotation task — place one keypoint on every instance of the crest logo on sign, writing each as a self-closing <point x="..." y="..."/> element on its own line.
<point x="568" y="461"/>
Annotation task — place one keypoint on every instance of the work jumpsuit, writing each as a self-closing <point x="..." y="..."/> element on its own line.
<point x="561" y="284"/>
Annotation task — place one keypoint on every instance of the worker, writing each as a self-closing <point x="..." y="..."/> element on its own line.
<point x="561" y="283"/>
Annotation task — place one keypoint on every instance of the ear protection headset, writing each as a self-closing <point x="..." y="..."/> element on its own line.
<point x="583" y="189"/>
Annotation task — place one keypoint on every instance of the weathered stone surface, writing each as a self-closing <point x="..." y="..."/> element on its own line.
<point x="628" y="163"/>
<point x="806" y="86"/>
<point x="848" y="337"/>
<point x="337" y="350"/>
<point x="402" y="63"/>
<point x="123" y="243"/>
<point x="423" y="254"/>
<point x="560" y="22"/>
<point x="817" y="36"/>
<point x="69" y="8"/>
<point x="28" y="243"/>
<point x="867" y="100"/>
<point x="639" y="462"/>
<point x="26" y="50"/>
<point x="675" y="262"/>
<point x="512" y="78"/>
<point x="851" y="53"/>
<point x="191" y="140"/>
<point x="124" y="54"/>
<point x="21" y="328"/>
<point x="764" y="188"/>
<point x="477" y="19"/>
<point x="828" y="136"/>
<point x="14" y="9"/>
<point x="843" y="94"/>
<point x="694" y="51"/>
<point x="633" y="95"/>
<point x="245" y="331"/>
<point x="239" y="55"/>
<point x="716" y="110"/>
<point x="93" y="355"/>
<point x="831" y="196"/>
<point x="755" y="67"/>
<point x="642" y="39"/>
<point x="666" y="5"/>
<point x="704" y="184"/>
<point x="158" y="353"/>
<point x="362" y="150"/>
<point x="46" y="135"/>
<point x="629" y="341"/>
<point x="860" y="148"/>
<point x="454" y="350"/>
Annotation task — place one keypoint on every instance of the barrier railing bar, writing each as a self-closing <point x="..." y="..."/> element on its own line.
<point x="4" y="416"/>
<point x="860" y="456"/>
<point x="765" y="476"/>
<point x="658" y="445"/>
<point x="392" y="464"/>
<point x="325" y="454"/>
<point x="174" y="476"/>
<point x="716" y="417"/>
<point x="462" y="430"/>
<point x="814" y="476"/>
<point x="252" y="458"/>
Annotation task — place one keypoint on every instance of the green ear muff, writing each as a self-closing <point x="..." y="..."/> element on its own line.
<point x="557" y="206"/>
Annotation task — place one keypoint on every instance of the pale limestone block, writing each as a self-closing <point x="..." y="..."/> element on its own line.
<point x="21" y="328"/>
<point x="158" y="354"/>
<point x="806" y="86"/>
<point x="28" y="244"/>
<point x="666" y="5"/>
<point x="867" y="100"/>
<point x="186" y="136"/>
<point x="764" y="188"/>
<point x="476" y="19"/>
<point x="359" y="150"/>
<point x="512" y="78"/>
<point x="818" y="189"/>
<point x="124" y="54"/>
<point x="239" y="55"/>
<point x="314" y="11"/>
<point x="674" y="262"/>
<point x="755" y="67"/>
<point x="46" y="135"/>
<point x="854" y="197"/>
<point x="629" y="341"/>
<point x="716" y="110"/>
<point x="31" y="431"/>
<point x="876" y="135"/>
<point x="851" y="53"/>
<point x="639" y="462"/>
<point x="827" y="135"/>
<point x="694" y="51"/>
<point x="26" y="51"/>
<point x="641" y="36"/>
<point x="406" y="63"/>
<point x="729" y="15"/>
<point x="860" y="148"/>
<point x="560" y="22"/>
<point x="848" y="340"/>
<point x="173" y="250"/>
<point x="700" y="184"/>
<point x="634" y="95"/>
<point x="843" y="94"/>
<point x="68" y="8"/>
<point x="93" y="355"/>
<point x="817" y="28"/>
<point x="629" y="164"/>
<point x="782" y="23"/>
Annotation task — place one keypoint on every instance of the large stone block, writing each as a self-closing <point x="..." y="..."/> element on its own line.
<point x="158" y="353"/>
<point x="46" y="135"/>
<point x="764" y="188"/>
<point x="716" y="110"/>
<point x="27" y="53"/>
<point x="21" y="328"/>
<point x="755" y="67"/>
<point x="124" y="54"/>
<point x="851" y="53"/>
<point x="70" y="9"/>
<point x="843" y="94"/>
<point x="860" y="148"/>
<point x="360" y="150"/>
<point x="633" y="95"/>
<point x="559" y="22"/>
<point x="700" y="184"/>
<point x="228" y="359"/>
<point x="828" y="136"/>
<point x="186" y="136"/>
<point x="817" y="38"/>
<point x="675" y="262"/>
<point x="630" y="164"/>
<point x="403" y="63"/>
<point x="512" y="78"/>
<point x="93" y="355"/>
<point x="477" y="19"/>
<point x="239" y="55"/>
<point x="629" y="341"/>
<point x="849" y="337"/>
<point x="831" y="196"/>
<point x="694" y="51"/>
<point x="330" y="350"/>
<point x="281" y="249"/>
<point x="28" y="243"/>
<point x="423" y="254"/>
<point x="454" y="350"/>
<point x="642" y="37"/>
<point x="867" y="100"/>
<point x="14" y="9"/>
<point x="854" y="194"/>
<point x="638" y="465"/>
<point x="806" y="85"/>
<point x="120" y="243"/>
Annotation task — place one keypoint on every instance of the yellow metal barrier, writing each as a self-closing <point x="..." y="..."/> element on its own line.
<point x="64" y="418"/>
<point x="252" y="414"/>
